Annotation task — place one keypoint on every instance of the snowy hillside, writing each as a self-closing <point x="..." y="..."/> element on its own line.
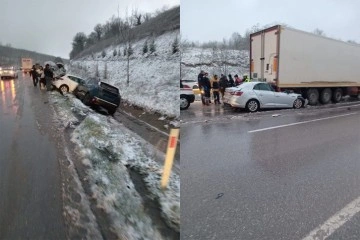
<point x="154" y="77"/>
<point x="213" y="61"/>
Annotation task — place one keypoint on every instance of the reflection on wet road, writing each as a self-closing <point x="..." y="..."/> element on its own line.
<point x="280" y="182"/>
<point x="30" y="189"/>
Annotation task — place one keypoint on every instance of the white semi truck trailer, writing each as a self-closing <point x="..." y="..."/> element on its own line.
<point x="319" y="68"/>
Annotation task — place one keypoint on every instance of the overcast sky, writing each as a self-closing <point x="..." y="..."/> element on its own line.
<point x="204" y="20"/>
<point x="48" y="26"/>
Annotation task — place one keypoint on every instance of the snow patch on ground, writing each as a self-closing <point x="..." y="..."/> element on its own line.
<point x="154" y="78"/>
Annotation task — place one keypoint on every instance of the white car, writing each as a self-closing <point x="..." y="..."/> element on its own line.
<point x="229" y="93"/>
<point x="8" y="72"/>
<point x="253" y="96"/>
<point x="192" y="84"/>
<point x="187" y="96"/>
<point x="68" y="83"/>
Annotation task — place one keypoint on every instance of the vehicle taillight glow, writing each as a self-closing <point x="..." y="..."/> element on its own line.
<point x="186" y="86"/>
<point x="238" y="93"/>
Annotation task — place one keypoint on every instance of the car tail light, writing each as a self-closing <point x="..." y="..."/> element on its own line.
<point x="238" y="93"/>
<point x="186" y="86"/>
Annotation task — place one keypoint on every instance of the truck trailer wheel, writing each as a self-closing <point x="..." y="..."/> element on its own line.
<point x="325" y="96"/>
<point x="337" y="95"/>
<point x="313" y="96"/>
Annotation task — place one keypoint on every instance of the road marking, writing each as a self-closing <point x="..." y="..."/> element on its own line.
<point x="336" y="221"/>
<point x="347" y="106"/>
<point x="147" y="124"/>
<point x="297" y="123"/>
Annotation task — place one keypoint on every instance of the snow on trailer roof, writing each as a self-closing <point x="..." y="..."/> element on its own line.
<point x="281" y="27"/>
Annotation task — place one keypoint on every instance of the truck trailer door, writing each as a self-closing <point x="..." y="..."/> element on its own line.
<point x="264" y="55"/>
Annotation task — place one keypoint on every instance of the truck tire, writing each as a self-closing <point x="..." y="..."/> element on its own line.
<point x="325" y="96"/>
<point x="313" y="96"/>
<point x="337" y="95"/>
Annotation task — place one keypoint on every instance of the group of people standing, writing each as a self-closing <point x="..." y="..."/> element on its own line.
<point x="42" y="76"/>
<point x="218" y="85"/>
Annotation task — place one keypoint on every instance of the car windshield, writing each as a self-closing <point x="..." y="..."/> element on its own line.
<point x="92" y="81"/>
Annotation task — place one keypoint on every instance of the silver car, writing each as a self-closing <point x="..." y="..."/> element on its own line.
<point x="253" y="96"/>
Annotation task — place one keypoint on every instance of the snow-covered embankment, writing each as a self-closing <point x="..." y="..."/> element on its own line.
<point x="154" y="77"/>
<point x="109" y="151"/>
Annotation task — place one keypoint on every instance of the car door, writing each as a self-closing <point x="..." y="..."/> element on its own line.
<point x="73" y="83"/>
<point x="284" y="100"/>
<point x="265" y="95"/>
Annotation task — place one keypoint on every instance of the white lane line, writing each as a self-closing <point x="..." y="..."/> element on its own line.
<point x="347" y="106"/>
<point x="336" y="221"/>
<point x="297" y="123"/>
<point x="147" y="124"/>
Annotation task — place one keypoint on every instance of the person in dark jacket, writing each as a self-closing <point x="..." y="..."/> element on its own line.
<point x="231" y="81"/>
<point x="34" y="75"/>
<point x="49" y="76"/>
<point x="206" y="85"/>
<point x="200" y="76"/>
<point x="200" y="79"/>
<point x="223" y="83"/>
<point x="215" y="87"/>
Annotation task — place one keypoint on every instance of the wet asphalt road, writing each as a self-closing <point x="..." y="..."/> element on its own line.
<point x="274" y="184"/>
<point x="30" y="184"/>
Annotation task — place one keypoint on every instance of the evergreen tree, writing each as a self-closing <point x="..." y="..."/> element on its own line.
<point x="130" y="50"/>
<point x="145" y="47"/>
<point x="152" y="46"/>
<point x="175" y="46"/>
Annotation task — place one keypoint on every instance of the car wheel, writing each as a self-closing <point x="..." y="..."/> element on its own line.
<point x="87" y="99"/>
<point x="111" y="111"/>
<point x="337" y="95"/>
<point x="298" y="103"/>
<point x="313" y="96"/>
<point x="184" y="103"/>
<point x="252" y="105"/>
<point x="64" y="88"/>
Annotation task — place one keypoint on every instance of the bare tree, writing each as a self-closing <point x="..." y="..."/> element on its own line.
<point x="105" y="71"/>
<point x="98" y="29"/>
<point x="147" y="17"/>
<point x="127" y="35"/>
<point x="137" y="16"/>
